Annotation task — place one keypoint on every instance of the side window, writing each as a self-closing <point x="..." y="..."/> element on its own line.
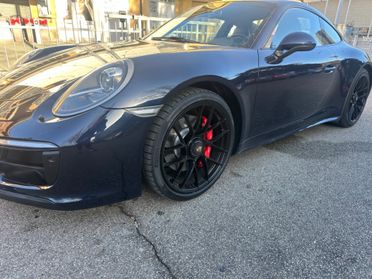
<point x="295" y="20"/>
<point x="328" y="35"/>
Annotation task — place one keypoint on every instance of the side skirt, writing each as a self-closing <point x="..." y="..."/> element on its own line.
<point x="282" y="133"/>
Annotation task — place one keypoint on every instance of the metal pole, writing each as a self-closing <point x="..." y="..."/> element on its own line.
<point x="148" y="26"/>
<point x="88" y="27"/>
<point x="49" y="36"/>
<point x="141" y="7"/>
<point x="81" y="31"/>
<point x="116" y="30"/>
<point x="64" y="26"/>
<point x="347" y="12"/>
<point x="23" y="38"/>
<point x="102" y="32"/>
<point x="122" y="31"/>
<point x="57" y="30"/>
<point x="15" y="49"/>
<point x="95" y="30"/>
<point x="369" y="29"/>
<point x="75" y="20"/>
<point x="140" y="27"/>
<point x="339" y="10"/>
<point x="6" y="55"/>
<point x="326" y="7"/>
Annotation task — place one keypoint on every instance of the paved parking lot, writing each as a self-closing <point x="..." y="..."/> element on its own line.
<point x="298" y="208"/>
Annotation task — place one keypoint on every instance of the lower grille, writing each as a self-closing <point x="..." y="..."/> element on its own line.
<point x="29" y="166"/>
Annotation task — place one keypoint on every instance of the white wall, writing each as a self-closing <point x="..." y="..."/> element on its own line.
<point x="5" y="34"/>
<point x="360" y="11"/>
<point x="100" y="9"/>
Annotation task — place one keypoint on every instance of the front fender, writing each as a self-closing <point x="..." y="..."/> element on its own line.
<point x="158" y="76"/>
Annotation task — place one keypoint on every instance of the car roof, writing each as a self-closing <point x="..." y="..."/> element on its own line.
<point x="281" y="4"/>
<point x="295" y="3"/>
<point x="272" y="1"/>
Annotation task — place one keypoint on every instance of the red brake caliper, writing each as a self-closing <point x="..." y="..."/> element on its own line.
<point x="207" y="136"/>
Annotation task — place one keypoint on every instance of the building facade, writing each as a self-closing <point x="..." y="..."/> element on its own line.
<point x="87" y="20"/>
<point x="49" y="8"/>
<point x="354" y="13"/>
<point x="59" y="20"/>
<point x="10" y="8"/>
<point x="162" y="8"/>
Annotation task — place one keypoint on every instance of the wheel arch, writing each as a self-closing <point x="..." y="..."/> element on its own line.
<point x="368" y="67"/>
<point x="226" y="91"/>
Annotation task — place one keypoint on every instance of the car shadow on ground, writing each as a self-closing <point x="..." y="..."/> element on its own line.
<point x="302" y="148"/>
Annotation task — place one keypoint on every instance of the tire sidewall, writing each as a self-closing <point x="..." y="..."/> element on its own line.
<point x="345" y="121"/>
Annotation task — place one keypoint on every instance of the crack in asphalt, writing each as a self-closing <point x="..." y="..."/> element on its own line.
<point x="153" y="246"/>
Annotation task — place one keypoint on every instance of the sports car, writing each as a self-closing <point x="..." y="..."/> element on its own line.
<point x="86" y="125"/>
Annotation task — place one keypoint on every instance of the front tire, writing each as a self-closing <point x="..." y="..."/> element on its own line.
<point x="189" y="144"/>
<point x="356" y="100"/>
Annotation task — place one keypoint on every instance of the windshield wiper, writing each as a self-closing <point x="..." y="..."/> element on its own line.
<point x="174" y="39"/>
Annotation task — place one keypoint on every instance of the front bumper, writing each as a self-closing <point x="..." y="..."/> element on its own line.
<point x="100" y="168"/>
<point x="44" y="175"/>
<point x="64" y="204"/>
<point x="28" y="164"/>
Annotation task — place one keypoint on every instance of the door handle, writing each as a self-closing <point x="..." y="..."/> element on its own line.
<point x="329" y="69"/>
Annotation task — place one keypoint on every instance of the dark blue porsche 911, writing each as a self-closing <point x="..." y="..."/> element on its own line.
<point x="82" y="126"/>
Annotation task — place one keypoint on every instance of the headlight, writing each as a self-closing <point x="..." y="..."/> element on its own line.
<point x="94" y="89"/>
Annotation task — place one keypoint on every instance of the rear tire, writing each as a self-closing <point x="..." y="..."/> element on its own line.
<point x="189" y="144"/>
<point x="356" y="100"/>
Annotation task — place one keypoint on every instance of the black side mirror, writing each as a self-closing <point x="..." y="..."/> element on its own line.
<point x="298" y="41"/>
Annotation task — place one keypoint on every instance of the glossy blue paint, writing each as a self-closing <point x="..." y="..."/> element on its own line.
<point x="100" y="151"/>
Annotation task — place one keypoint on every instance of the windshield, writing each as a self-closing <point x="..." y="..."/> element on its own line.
<point x="218" y="23"/>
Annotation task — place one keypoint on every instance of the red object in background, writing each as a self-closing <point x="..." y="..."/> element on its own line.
<point x="28" y="21"/>
<point x="43" y="21"/>
<point x="37" y="21"/>
<point x="14" y="20"/>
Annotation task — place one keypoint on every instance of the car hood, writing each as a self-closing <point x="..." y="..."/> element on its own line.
<point x="25" y="88"/>
<point x="56" y="69"/>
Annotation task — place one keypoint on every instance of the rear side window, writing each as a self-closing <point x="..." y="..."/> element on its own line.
<point x="328" y="35"/>
<point x="295" y="20"/>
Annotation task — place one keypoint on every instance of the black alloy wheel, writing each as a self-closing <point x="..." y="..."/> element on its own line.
<point x="356" y="100"/>
<point x="195" y="136"/>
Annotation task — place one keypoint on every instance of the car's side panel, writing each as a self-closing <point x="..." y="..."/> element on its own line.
<point x="292" y="90"/>
<point x="348" y="62"/>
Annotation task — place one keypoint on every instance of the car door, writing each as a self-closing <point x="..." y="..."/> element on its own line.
<point x="332" y="42"/>
<point x="294" y="89"/>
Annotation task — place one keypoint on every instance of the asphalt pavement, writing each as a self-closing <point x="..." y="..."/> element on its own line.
<point x="298" y="208"/>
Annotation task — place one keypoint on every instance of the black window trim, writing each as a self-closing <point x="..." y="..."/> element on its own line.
<point x="331" y="25"/>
